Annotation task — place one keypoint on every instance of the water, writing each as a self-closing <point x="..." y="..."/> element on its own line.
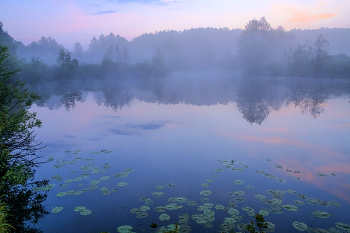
<point x="176" y="130"/>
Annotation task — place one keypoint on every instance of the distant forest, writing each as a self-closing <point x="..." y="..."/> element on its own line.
<point x="258" y="49"/>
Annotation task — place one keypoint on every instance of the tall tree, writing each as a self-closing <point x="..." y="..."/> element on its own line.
<point x="321" y="54"/>
<point x="67" y="65"/>
<point x="78" y="50"/>
<point x="257" y="43"/>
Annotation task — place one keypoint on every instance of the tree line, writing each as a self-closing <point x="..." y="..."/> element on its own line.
<point x="258" y="49"/>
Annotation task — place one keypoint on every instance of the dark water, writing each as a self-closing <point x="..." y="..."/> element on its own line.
<point x="175" y="131"/>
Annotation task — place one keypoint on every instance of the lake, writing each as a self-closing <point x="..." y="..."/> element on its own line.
<point x="207" y="150"/>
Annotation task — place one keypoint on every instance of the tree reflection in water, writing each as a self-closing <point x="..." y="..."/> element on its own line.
<point x="256" y="97"/>
<point x="25" y="206"/>
<point x="308" y="97"/>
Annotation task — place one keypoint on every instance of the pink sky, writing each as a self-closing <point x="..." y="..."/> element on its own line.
<point x="71" y="21"/>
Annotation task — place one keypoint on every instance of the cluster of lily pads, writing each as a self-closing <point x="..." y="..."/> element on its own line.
<point x="297" y="172"/>
<point x="89" y="169"/>
<point x="86" y="168"/>
<point x="82" y="210"/>
<point x="207" y="217"/>
<point x="101" y="152"/>
<point x="207" y="210"/>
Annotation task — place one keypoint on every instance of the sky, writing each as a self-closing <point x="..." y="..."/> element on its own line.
<point x="70" y="21"/>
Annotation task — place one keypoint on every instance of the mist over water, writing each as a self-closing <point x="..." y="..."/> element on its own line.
<point x="173" y="129"/>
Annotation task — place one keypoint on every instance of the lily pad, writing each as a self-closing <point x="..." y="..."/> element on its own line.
<point x="342" y="226"/>
<point x="48" y="187"/>
<point x="78" y="179"/>
<point x="124" y="228"/>
<point x="192" y="203"/>
<point x="105" y="177"/>
<point x="205" y="193"/>
<point x="300" y="226"/>
<point x="85" y="212"/>
<point x="122" y="184"/>
<point x="144" y="208"/>
<point x="141" y="214"/>
<point x="233" y="211"/>
<point x="149" y="201"/>
<point x="79" y="208"/>
<point x="181" y="199"/>
<point x="290" y="207"/>
<point x="158" y="194"/>
<point x="298" y="202"/>
<point x="61" y="194"/>
<point x="160" y="209"/>
<point x="321" y="214"/>
<point x="78" y="193"/>
<point x="164" y="217"/>
<point x="106" y="192"/>
<point x="260" y="197"/>
<point x="57" y="209"/>
<point x="134" y="210"/>
<point x="264" y="212"/>
<point x="239" y="182"/>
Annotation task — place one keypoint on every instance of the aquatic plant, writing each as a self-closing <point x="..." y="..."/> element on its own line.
<point x="4" y="226"/>
<point x="174" y="230"/>
<point x="260" y="223"/>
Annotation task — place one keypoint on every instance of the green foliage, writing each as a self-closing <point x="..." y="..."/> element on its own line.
<point x="16" y="122"/>
<point x="7" y="40"/>
<point x="260" y="223"/>
<point x="17" y="151"/>
<point x="46" y="48"/>
<point x="35" y="71"/>
<point x="4" y="226"/>
<point x="176" y="230"/>
<point x="66" y="65"/>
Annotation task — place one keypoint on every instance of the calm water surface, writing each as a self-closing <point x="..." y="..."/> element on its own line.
<point x="195" y="131"/>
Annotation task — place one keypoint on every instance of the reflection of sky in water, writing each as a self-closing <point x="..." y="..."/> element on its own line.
<point x="181" y="144"/>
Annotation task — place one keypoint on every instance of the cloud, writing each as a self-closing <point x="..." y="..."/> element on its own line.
<point x="147" y="126"/>
<point x="104" y="12"/>
<point x="302" y="15"/>
<point x="123" y="132"/>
